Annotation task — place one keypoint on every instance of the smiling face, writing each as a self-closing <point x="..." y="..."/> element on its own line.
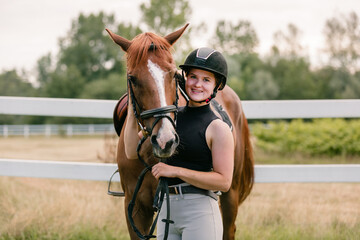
<point x="199" y="86"/>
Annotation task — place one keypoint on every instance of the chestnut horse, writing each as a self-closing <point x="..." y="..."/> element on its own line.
<point x="152" y="75"/>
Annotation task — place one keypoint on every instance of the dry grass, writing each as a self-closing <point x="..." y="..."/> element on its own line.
<point x="301" y="207"/>
<point x="78" y="149"/>
<point x="57" y="206"/>
<point x="62" y="208"/>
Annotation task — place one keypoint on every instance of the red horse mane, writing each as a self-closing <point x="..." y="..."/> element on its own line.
<point x="146" y="43"/>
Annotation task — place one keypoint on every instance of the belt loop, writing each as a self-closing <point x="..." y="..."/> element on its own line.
<point x="180" y="190"/>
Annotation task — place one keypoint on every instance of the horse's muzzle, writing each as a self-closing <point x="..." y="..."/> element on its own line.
<point x="164" y="149"/>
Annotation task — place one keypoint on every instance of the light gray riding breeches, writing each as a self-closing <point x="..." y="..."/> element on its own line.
<point x="195" y="216"/>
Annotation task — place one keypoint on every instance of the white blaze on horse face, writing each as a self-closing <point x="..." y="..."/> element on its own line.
<point x="158" y="74"/>
<point x="166" y="132"/>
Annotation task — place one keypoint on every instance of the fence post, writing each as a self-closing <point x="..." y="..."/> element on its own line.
<point x="5" y="131"/>
<point x="69" y="130"/>
<point x="47" y="130"/>
<point x="91" y="129"/>
<point x="26" y="131"/>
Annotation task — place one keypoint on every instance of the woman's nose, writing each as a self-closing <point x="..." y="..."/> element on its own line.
<point x="197" y="83"/>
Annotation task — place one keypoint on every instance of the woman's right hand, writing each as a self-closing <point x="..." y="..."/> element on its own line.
<point x="163" y="170"/>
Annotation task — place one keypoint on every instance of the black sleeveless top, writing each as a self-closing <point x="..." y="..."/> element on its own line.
<point x="193" y="151"/>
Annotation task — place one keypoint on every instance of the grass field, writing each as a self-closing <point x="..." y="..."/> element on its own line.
<point x="33" y="208"/>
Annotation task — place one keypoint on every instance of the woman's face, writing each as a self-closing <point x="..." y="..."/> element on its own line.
<point x="199" y="86"/>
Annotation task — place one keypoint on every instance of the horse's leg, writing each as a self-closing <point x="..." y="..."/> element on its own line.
<point x="229" y="210"/>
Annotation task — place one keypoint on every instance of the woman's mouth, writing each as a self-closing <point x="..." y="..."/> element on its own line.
<point x="196" y="91"/>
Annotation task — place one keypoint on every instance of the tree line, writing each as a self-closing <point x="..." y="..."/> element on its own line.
<point x="89" y="65"/>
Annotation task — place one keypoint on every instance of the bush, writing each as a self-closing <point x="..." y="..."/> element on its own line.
<point x="331" y="137"/>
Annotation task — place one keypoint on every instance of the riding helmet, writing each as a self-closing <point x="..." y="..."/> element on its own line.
<point x="210" y="60"/>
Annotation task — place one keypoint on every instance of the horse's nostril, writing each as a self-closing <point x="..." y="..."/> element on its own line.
<point x="172" y="142"/>
<point x="169" y="144"/>
<point x="153" y="140"/>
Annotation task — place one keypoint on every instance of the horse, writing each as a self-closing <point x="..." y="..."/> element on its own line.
<point x="152" y="84"/>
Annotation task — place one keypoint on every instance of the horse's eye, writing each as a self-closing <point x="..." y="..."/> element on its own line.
<point x="132" y="79"/>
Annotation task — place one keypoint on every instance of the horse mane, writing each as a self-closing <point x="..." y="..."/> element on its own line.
<point x="146" y="43"/>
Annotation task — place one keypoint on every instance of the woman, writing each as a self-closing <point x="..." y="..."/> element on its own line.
<point x="204" y="159"/>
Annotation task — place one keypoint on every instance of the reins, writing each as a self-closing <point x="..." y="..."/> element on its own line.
<point x="162" y="188"/>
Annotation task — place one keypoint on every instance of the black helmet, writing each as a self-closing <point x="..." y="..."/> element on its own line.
<point x="210" y="60"/>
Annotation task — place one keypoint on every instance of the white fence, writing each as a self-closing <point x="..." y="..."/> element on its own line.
<point x="253" y="110"/>
<point x="103" y="171"/>
<point x="52" y="129"/>
<point x="284" y="109"/>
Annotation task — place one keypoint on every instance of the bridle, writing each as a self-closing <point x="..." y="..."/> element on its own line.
<point x="162" y="188"/>
<point x="157" y="113"/>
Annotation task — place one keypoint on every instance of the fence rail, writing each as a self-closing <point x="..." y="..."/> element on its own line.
<point x="253" y="110"/>
<point x="281" y="109"/>
<point x="52" y="129"/>
<point x="102" y="171"/>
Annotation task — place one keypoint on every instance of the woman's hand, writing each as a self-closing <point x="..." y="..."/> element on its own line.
<point x="164" y="170"/>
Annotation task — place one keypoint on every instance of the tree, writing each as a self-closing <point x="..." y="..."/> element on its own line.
<point x="342" y="41"/>
<point x="344" y="84"/>
<point x="263" y="86"/>
<point x="44" y="68"/>
<point x="111" y="87"/>
<point x="86" y="54"/>
<point x="88" y="47"/>
<point x="237" y="42"/>
<point x="239" y="38"/>
<point x="11" y="84"/>
<point x="288" y="44"/>
<point x="164" y="16"/>
<point x="242" y="68"/>
<point x="294" y="78"/>
<point x="65" y="83"/>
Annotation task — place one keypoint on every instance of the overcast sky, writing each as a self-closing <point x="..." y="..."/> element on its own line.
<point x="31" y="28"/>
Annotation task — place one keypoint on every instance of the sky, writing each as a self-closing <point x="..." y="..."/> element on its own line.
<point x="31" y="29"/>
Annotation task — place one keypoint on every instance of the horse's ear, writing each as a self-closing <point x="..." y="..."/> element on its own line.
<point x="173" y="37"/>
<point x="122" y="42"/>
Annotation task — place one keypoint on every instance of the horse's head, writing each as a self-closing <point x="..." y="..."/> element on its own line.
<point x="152" y="86"/>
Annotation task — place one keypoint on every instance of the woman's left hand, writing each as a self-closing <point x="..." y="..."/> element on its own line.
<point x="163" y="170"/>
